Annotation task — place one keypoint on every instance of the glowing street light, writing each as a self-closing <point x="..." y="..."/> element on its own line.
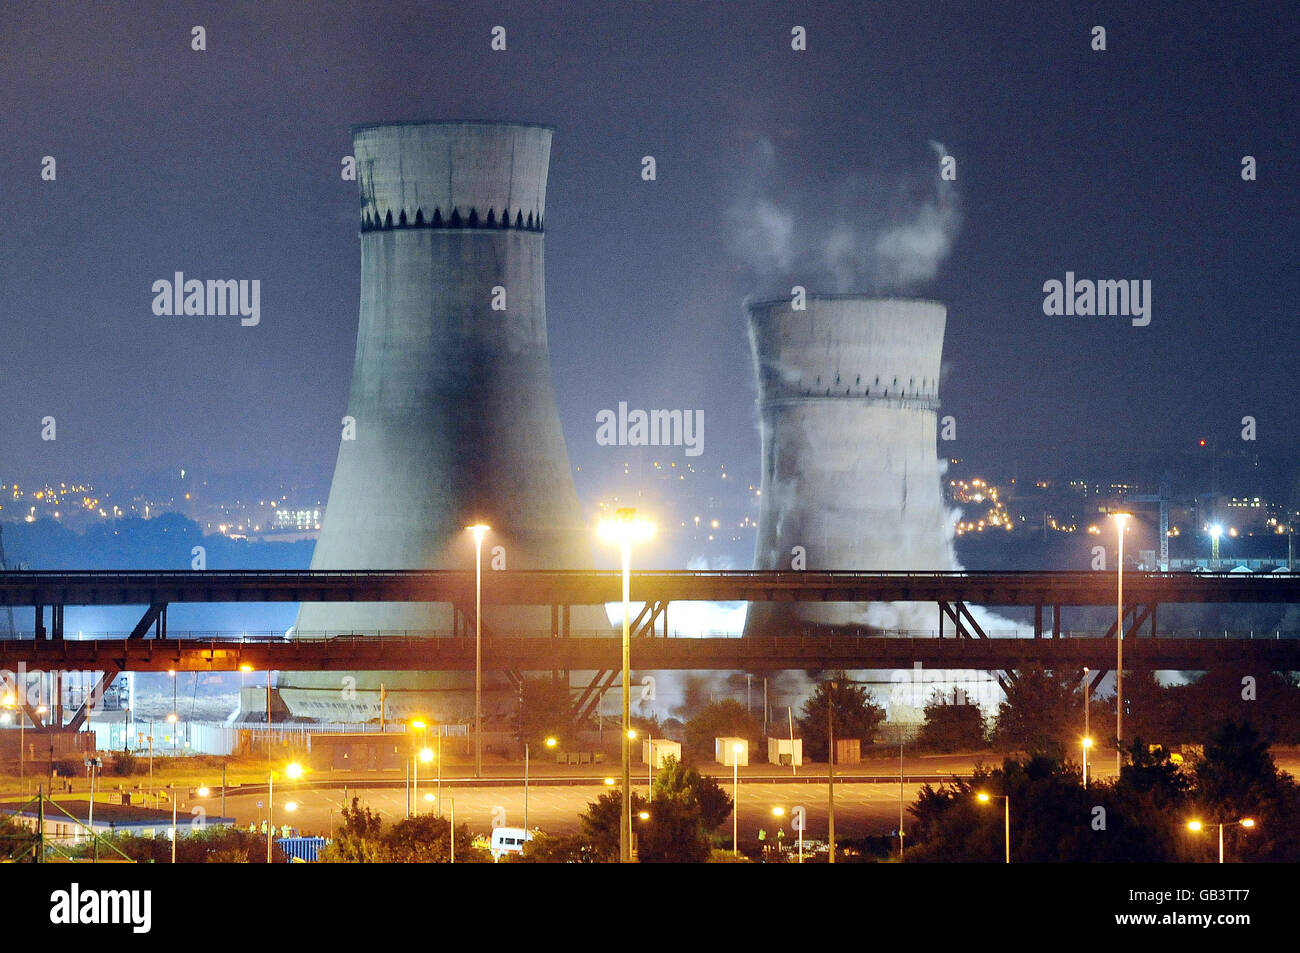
<point x="780" y="812"/>
<point x="984" y="798"/>
<point x="479" y="530"/>
<point x="1196" y="827"/>
<point x="1216" y="531"/>
<point x="625" y="529"/>
<point x="293" y="772"/>
<point x="550" y="743"/>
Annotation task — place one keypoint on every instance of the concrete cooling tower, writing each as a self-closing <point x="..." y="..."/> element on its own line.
<point x="454" y="409"/>
<point x="848" y="391"/>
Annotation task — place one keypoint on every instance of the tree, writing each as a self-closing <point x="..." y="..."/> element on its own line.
<point x="855" y="714"/>
<point x="724" y="719"/>
<point x="673" y="834"/>
<point x="1041" y="711"/>
<point x="359" y="840"/>
<point x="702" y="793"/>
<point x="545" y="711"/>
<point x="951" y="726"/>
<point x="554" y="849"/>
<point x="600" y="824"/>
<point x="1238" y="779"/>
<point x="686" y="809"/>
<point x="427" y="840"/>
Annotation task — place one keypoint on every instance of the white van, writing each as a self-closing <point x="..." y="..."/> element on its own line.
<point x="509" y="840"/>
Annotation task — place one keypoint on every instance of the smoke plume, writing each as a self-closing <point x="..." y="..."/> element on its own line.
<point x="872" y="232"/>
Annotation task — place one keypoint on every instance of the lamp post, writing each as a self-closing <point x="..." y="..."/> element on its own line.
<point x="780" y="812"/>
<point x="550" y="743"/>
<point x="1087" y="743"/>
<point x="452" y="839"/>
<point x="171" y="720"/>
<point x="830" y="773"/>
<point x="1087" y="700"/>
<point x="478" y="529"/>
<point x="625" y="529"/>
<point x="1216" y="531"/>
<point x="1121" y="519"/>
<point x="416" y="757"/>
<point x="293" y="772"/>
<point x="735" y="796"/>
<point x="984" y="798"/>
<point x="1196" y="826"/>
<point x="425" y="755"/>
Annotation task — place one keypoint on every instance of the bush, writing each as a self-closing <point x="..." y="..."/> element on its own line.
<point x="724" y="719"/>
<point x="69" y="768"/>
<point x="123" y="764"/>
<point x="951" y="727"/>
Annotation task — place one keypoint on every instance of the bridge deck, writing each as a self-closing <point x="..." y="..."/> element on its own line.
<point x="547" y="587"/>
<point x="648" y="654"/>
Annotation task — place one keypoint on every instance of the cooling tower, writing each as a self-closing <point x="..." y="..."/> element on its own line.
<point x="848" y="391"/>
<point x="454" y="409"/>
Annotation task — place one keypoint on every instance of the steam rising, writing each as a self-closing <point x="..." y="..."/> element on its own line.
<point x="869" y="233"/>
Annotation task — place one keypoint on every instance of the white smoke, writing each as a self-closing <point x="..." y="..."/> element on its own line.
<point x="870" y="232"/>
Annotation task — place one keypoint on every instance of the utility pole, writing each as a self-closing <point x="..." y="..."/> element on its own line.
<point x="830" y="771"/>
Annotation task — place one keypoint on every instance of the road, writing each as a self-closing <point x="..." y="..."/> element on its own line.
<point x="860" y="808"/>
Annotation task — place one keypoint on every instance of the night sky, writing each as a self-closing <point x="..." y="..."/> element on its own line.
<point x="226" y="164"/>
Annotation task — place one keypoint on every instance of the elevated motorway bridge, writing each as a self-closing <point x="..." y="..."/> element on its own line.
<point x="149" y="648"/>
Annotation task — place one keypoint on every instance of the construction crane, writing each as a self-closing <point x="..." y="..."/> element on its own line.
<point x="1161" y="498"/>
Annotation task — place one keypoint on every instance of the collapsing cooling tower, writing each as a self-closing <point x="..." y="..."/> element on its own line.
<point x="454" y="409"/>
<point x="848" y="391"/>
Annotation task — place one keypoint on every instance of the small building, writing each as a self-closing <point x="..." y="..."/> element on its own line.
<point x="360" y="751"/>
<point x="848" y="751"/>
<point x="724" y="751"/>
<point x="785" y="751"/>
<point x="655" y="751"/>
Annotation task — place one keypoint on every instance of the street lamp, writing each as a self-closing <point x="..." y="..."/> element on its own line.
<point x="1087" y="743"/>
<point x="1087" y="700"/>
<point x="1121" y="519"/>
<point x="1215" y="532"/>
<point x="478" y="529"/>
<point x="1196" y="826"/>
<point x="735" y="796"/>
<point x="625" y="529"/>
<point x="452" y="831"/>
<point x="780" y="812"/>
<point x="293" y="772"/>
<point x="426" y="755"/>
<point x="171" y="720"/>
<point x="11" y="701"/>
<point x="984" y="798"/>
<point x="416" y="757"/>
<point x="550" y="743"/>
